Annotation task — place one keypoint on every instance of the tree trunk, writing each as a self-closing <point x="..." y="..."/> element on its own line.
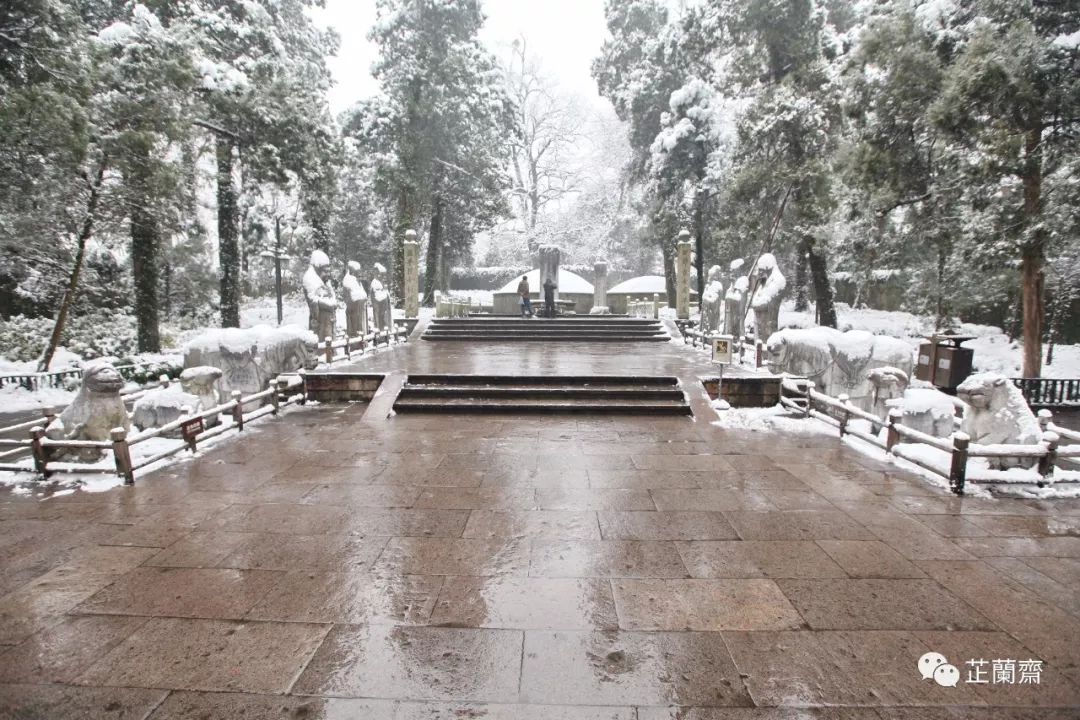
<point x="823" y="292"/>
<point x="228" y="235"/>
<point x="145" y="241"/>
<point x="667" y="249"/>
<point x="404" y="222"/>
<point x="73" y="281"/>
<point x="699" y="243"/>
<point x="1031" y="261"/>
<point x="444" y="271"/>
<point x="434" y="253"/>
<point x="802" y="279"/>
<point x="1032" y="301"/>
<point x="939" y="291"/>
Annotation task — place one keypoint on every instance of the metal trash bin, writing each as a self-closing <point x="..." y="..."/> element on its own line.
<point x="943" y="363"/>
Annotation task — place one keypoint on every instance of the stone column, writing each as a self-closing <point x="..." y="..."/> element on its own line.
<point x="600" y="284"/>
<point x="549" y="267"/>
<point x="412" y="275"/>
<point x="682" y="276"/>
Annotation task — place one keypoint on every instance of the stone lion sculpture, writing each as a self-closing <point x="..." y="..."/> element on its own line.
<point x="997" y="414"/>
<point x="95" y="411"/>
<point x="837" y="362"/>
<point x="888" y="383"/>
<point x="202" y="381"/>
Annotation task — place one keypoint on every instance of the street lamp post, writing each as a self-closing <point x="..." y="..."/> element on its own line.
<point x="277" y="256"/>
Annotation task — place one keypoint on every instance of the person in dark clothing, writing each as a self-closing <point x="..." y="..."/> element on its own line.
<point x="523" y="295"/>
<point x="549" y="297"/>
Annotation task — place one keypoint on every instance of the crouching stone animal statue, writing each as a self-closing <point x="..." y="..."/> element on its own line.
<point x="95" y="411"/>
<point x="927" y="410"/>
<point x="997" y="414"/>
<point x="889" y="383"/>
<point x="837" y="362"/>
<point x="162" y="406"/>
<point x="196" y="393"/>
<point x="250" y="358"/>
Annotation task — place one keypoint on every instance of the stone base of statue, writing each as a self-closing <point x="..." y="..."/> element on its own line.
<point x="356" y="321"/>
<point x="382" y="314"/>
<point x="250" y="358"/>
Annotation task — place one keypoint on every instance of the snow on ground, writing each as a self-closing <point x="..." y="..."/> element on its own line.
<point x="772" y="419"/>
<point x="62" y="483"/>
<point x="14" y="398"/>
<point x="483" y="298"/>
<point x="779" y="419"/>
<point x="994" y="351"/>
<point x="62" y="360"/>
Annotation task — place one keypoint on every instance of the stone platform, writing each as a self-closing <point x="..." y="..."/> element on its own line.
<point x="338" y="563"/>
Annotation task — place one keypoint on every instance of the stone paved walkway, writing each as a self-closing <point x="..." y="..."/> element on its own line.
<point x="339" y="564"/>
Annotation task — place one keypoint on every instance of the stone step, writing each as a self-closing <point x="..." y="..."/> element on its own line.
<point x="563" y="320"/>
<point x="537" y="306"/>
<point x="557" y="337"/>
<point x="440" y="332"/>
<point x="591" y="381"/>
<point x="537" y="391"/>
<point x="643" y="406"/>
<point x="606" y="394"/>
<point x="550" y="324"/>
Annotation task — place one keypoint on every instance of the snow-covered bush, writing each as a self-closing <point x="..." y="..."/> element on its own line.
<point x="23" y="339"/>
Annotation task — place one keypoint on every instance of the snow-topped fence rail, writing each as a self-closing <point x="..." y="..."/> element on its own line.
<point x="755" y="350"/>
<point x="193" y="429"/>
<point x="651" y="308"/>
<point x="946" y="457"/>
<point x="344" y="348"/>
<point x="59" y="378"/>
<point x="12" y="447"/>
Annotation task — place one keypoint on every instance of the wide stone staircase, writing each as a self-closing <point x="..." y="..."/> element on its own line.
<point x="596" y="394"/>
<point x="567" y="328"/>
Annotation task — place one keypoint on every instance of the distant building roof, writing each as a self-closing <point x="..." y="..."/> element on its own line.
<point x="643" y="285"/>
<point x="569" y="282"/>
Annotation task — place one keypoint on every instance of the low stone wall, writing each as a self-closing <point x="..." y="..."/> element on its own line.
<point x="744" y="391"/>
<point x="342" y="386"/>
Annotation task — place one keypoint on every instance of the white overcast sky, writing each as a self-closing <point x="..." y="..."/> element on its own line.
<point x="564" y="34"/>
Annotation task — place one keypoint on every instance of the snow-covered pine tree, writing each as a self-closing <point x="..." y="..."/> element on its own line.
<point x="1011" y="101"/>
<point x="444" y="117"/>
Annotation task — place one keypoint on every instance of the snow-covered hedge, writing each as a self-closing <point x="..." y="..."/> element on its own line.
<point x="23" y="339"/>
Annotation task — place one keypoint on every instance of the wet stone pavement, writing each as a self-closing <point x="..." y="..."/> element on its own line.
<point x="337" y="563"/>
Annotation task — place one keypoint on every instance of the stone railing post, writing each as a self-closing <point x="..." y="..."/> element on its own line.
<point x="892" y="435"/>
<point x="845" y="415"/>
<point x="122" y="455"/>
<point x="412" y="275"/>
<point x="41" y="458"/>
<point x="958" y="468"/>
<point x="682" y="276"/>
<point x="1050" y="441"/>
<point x="238" y="409"/>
